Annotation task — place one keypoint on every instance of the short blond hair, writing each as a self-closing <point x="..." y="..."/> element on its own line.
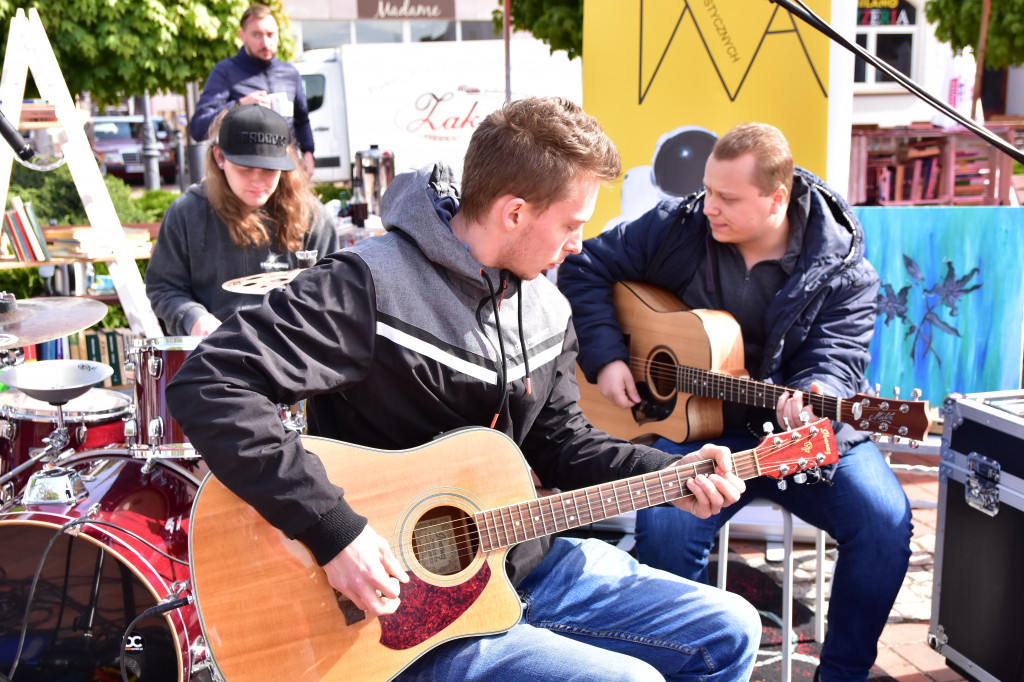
<point x="534" y="148"/>
<point x="773" y="162"/>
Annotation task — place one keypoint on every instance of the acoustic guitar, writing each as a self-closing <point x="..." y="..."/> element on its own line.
<point x="450" y="509"/>
<point x="687" y="362"/>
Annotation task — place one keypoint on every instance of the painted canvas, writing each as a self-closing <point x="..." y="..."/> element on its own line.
<point x="951" y="304"/>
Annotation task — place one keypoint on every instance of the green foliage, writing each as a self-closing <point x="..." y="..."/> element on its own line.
<point x="958" y="22"/>
<point x="154" y="203"/>
<point x="22" y="282"/>
<point x="55" y="198"/>
<point x="326" y="192"/>
<point x="559" y="23"/>
<point x="114" y="48"/>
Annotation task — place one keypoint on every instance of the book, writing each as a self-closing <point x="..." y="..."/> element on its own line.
<point x="37" y="229"/>
<point x="113" y="356"/>
<point x="28" y="234"/>
<point x="92" y="346"/>
<point x="11" y="227"/>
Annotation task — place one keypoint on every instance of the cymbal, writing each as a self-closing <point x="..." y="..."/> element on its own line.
<point x="261" y="283"/>
<point x="35" y="320"/>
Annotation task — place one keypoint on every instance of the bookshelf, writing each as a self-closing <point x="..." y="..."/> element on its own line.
<point x="924" y="165"/>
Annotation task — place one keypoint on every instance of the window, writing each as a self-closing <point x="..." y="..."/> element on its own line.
<point x="424" y="30"/>
<point x="479" y="30"/>
<point x="313" y="84"/>
<point x="320" y="34"/>
<point x="886" y="29"/>
<point x="378" y="31"/>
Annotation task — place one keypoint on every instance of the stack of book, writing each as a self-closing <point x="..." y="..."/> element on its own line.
<point x="77" y="241"/>
<point x="22" y="236"/>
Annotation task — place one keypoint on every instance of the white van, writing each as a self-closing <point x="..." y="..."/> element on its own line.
<point x="421" y="101"/>
<point x="324" y="83"/>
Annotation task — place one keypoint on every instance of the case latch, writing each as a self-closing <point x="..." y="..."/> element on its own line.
<point x="981" y="489"/>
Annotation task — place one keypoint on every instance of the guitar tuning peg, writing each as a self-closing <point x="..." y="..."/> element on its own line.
<point x="805" y="418"/>
<point x="814" y="475"/>
<point x="769" y="428"/>
<point x="782" y="484"/>
<point x="916" y="394"/>
<point x="896" y="392"/>
<point x="895" y="440"/>
<point x="785" y="422"/>
<point x="800" y="478"/>
<point x="914" y="445"/>
<point x="878" y="389"/>
<point x="875" y="437"/>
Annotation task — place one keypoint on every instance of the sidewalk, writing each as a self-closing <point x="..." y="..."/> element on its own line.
<point x="903" y="651"/>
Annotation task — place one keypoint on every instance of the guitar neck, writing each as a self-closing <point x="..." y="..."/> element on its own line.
<point x="515" y="523"/>
<point x="707" y="384"/>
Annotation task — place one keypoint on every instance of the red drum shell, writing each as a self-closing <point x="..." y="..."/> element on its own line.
<point x="94" y="420"/>
<point x="151" y="500"/>
<point x="156" y="361"/>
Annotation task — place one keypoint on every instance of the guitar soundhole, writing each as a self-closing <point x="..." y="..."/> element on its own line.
<point x="661" y="372"/>
<point x="445" y="540"/>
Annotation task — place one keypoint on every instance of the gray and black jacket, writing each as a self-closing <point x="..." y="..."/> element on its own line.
<point x="394" y="341"/>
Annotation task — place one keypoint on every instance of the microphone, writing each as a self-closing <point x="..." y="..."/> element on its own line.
<point x="24" y="153"/>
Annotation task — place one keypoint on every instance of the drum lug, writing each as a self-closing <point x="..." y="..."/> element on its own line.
<point x="155" y="430"/>
<point x="131" y="430"/>
<point x="155" y="366"/>
<point x="81" y="432"/>
<point x="6" y="494"/>
<point x="8" y="429"/>
<point x="54" y="485"/>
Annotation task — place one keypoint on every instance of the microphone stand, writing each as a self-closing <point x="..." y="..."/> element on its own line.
<point x="23" y="152"/>
<point x="816" y="22"/>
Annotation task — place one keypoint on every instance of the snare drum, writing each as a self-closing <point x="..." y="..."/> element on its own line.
<point x="94" y="419"/>
<point x="94" y="584"/>
<point x="153" y="433"/>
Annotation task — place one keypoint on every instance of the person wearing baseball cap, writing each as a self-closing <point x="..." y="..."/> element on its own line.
<point x="251" y="214"/>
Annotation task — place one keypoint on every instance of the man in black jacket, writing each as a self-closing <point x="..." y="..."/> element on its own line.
<point x="780" y="251"/>
<point x="445" y="322"/>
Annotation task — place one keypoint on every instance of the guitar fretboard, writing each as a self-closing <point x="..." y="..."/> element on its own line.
<point x="706" y="384"/>
<point x="515" y="523"/>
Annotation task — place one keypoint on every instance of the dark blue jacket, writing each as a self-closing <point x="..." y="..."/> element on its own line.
<point x="820" y="323"/>
<point x="235" y="77"/>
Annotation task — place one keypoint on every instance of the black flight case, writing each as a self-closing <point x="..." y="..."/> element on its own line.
<point x="977" y="619"/>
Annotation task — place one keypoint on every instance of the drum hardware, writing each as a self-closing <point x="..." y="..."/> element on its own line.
<point x="54" y="485"/>
<point x="150" y="431"/>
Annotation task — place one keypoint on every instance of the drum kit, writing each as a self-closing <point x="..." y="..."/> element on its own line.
<point x="96" y="492"/>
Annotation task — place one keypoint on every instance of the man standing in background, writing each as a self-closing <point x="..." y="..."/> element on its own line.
<point x="256" y="76"/>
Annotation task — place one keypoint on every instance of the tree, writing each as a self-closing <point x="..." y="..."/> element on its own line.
<point x="958" y="22"/>
<point x="115" y="48"/>
<point x="559" y="23"/>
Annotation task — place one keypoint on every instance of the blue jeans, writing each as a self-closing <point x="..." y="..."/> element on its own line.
<point x="591" y="612"/>
<point x="865" y="510"/>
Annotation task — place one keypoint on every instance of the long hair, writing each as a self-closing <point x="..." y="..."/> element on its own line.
<point x="287" y="212"/>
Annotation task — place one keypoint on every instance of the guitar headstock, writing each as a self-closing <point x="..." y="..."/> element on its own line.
<point x="801" y="449"/>
<point x="891" y="417"/>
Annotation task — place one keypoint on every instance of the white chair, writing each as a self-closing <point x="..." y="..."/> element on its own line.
<point x="759" y="505"/>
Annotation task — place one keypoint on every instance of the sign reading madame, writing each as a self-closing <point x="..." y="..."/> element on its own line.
<point x="405" y="9"/>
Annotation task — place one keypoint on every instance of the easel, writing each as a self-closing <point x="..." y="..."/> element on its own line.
<point x="29" y="48"/>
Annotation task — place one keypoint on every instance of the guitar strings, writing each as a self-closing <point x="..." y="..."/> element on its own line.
<point x="664" y="374"/>
<point x="466" y="543"/>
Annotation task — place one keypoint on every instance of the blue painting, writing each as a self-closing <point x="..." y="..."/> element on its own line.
<point x="951" y="304"/>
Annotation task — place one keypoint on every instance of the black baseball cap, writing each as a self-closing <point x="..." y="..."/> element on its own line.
<point x="255" y="136"/>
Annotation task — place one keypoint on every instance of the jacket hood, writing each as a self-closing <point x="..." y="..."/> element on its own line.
<point x="420" y="204"/>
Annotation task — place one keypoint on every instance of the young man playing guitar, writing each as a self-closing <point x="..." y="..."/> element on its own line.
<point x="446" y="322"/>
<point x="782" y="253"/>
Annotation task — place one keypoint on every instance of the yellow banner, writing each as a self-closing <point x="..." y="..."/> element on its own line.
<point x="651" y="67"/>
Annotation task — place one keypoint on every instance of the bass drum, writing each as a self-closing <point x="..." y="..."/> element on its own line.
<point x="97" y="578"/>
